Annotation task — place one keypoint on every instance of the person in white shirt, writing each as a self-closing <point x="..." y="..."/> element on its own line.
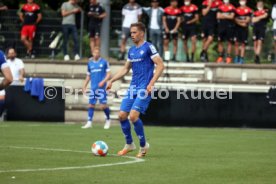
<point x="132" y="13"/>
<point x="16" y="65"/>
<point x="273" y="15"/>
<point x="155" y="14"/>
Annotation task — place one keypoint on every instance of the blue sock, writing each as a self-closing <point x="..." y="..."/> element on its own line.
<point x="125" y="125"/>
<point x="107" y="113"/>
<point x="139" y="129"/>
<point x="90" y="114"/>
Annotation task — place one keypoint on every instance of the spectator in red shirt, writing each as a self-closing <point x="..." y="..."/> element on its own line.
<point x="30" y="16"/>
<point x="259" y="20"/>
<point x="242" y="19"/>
<point x="190" y="17"/>
<point x="171" y="22"/>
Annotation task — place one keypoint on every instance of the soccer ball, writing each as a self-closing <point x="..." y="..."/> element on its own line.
<point x="99" y="148"/>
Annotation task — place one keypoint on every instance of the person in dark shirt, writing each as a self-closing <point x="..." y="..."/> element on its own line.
<point x="259" y="20"/>
<point x="96" y="14"/>
<point x="225" y="16"/>
<point x="171" y="22"/>
<point x="242" y="19"/>
<point x="209" y="24"/>
<point x="189" y="20"/>
<point x="30" y="16"/>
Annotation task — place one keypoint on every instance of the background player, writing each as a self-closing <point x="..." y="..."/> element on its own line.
<point x="225" y="16"/>
<point x="98" y="73"/>
<point x="171" y="23"/>
<point x="259" y="20"/>
<point x="30" y="16"/>
<point x="5" y="69"/>
<point x="190" y="18"/>
<point x="141" y="59"/>
<point x="209" y="24"/>
<point x="242" y="19"/>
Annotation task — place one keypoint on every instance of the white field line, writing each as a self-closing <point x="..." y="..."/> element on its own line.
<point x="133" y="161"/>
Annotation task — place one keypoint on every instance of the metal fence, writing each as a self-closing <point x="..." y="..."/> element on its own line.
<point x="48" y="40"/>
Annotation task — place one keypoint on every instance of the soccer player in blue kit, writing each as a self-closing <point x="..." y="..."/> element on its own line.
<point x="142" y="59"/>
<point x="5" y="69"/>
<point x="98" y="73"/>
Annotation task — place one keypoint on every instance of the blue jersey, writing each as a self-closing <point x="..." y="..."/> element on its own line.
<point x="3" y="62"/>
<point x="97" y="71"/>
<point x="142" y="64"/>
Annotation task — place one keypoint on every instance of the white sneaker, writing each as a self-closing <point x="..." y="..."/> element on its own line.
<point x="66" y="58"/>
<point x="87" y="125"/>
<point x="77" y="57"/>
<point x="126" y="149"/>
<point x="107" y="124"/>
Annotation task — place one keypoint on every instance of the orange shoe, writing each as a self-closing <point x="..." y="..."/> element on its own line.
<point x="143" y="151"/>
<point x="220" y="59"/>
<point x="228" y="60"/>
<point x="128" y="148"/>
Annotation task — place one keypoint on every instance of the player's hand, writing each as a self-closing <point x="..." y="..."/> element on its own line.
<point x="21" y="79"/>
<point x="84" y="90"/>
<point x="150" y="88"/>
<point x="109" y="85"/>
<point x="101" y="84"/>
<point x="167" y="30"/>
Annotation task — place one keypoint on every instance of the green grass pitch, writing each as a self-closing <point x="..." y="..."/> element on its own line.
<point x="177" y="155"/>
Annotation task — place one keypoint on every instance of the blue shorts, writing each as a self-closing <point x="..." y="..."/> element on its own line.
<point x="98" y="94"/>
<point x="136" y="102"/>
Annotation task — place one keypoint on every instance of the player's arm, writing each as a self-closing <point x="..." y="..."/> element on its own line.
<point x="257" y="19"/>
<point x="177" y="24"/>
<point x="206" y="10"/>
<point x="140" y="13"/>
<point x="119" y="74"/>
<point x="21" y="16"/>
<point x="85" y="84"/>
<point x="158" y="61"/>
<point x="39" y="18"/>
<point x="102" y="16"/>
<point x="7" y="78"/>
<point x="165" y="23"/>
<point x="194" y="20"/>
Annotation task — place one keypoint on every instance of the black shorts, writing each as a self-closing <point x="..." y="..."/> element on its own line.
<point x="225" y="34"/>
<point x="208" y="31"/>
<point x="258" y="34"/>
<point x="241" y="35"/>
<point x="188" y="32"/>
<point x="170" y="36"/>
<point x="95" y="32"/>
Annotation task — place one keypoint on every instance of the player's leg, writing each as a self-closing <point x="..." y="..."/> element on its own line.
<point x="97" y="37"/>
<point x="31" y="36"/>
<point x="91" y="109"/>
<point x="194" y="40"/>
<point x="185" y="46"/>
<point x="221" y="38"/>
<point x="166" y="42"/>
<point x="125" y="35"/>
<point x="24" y="39"/>
<point x="125" y="124"/>
<point x="229" y="50"/>
<point x="92" y="40"/>
<point x="140" y="106"/>
<point x="175" y="41"/>
<point x="244" y="37"/>
<point x="103" y="105"/>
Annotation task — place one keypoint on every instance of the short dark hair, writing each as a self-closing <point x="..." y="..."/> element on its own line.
<point x="139" y="25"/>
